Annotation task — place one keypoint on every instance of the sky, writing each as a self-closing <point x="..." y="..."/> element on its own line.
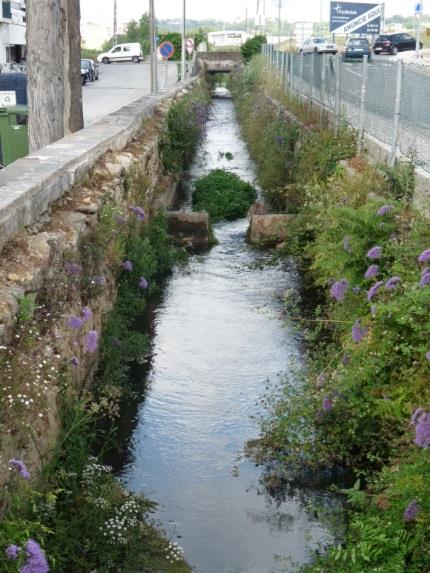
<point x="229" y="10"/>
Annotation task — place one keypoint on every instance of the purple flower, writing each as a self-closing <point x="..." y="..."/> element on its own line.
<point x="424" y="257"/>
<point x="373" y="290"/>
<point x="120" y="219"/>
<point x="127" y="266"/>
<point x="422" y="430"/>
<point x="371" y="272"/>
<point x="73" y="268"/>
<point x="327" y="404"/>
<point x="139" y="212"/>
<point x="74" y="361"/>
<point x="36" y="560"/>
<point x="358" y="331"/>
<point x="21" y="468"/>
<point x="392" y="283"/>
<point x="411" y="511"/>
<point x="92" y="341"/>
<point x="12" y="551"/>
<point x="428" y="356"/>
<point x="425" y="279"/>
<point x="356" y="290"/>
<point x="385" y="209"/>
<point x="75" y="322"/>
<point x="417" y="413"/>
<point x="143" y="283"/>
<point x="86" y="314"/>
<point x="346" y="245"/>
<point x="339" y="289"/>
<point x="374" y="253"/>
<point x="99" y="281"/>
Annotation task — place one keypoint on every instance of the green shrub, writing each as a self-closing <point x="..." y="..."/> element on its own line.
<point x="223" y="195"/>
<point x="252" y="47"/>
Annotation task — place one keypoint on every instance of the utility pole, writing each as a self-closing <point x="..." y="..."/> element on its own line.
<point x="279" y="24"/>
<point x="257" y="18"/>
<point x="246" y="20"/>
<point x="183" y="54"/>
<point x="115" y="22"/>
<point x="154" y="75"/>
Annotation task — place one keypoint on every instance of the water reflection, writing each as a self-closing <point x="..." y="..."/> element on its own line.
<point x="219" y="337"/>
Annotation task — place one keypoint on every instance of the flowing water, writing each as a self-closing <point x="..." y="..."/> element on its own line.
<point x="219" y="338"/>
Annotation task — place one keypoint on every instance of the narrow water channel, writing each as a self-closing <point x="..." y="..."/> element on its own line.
<point x="219" y="339"/>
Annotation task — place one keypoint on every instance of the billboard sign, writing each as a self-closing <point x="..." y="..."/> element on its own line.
<point x="355" y="18"/>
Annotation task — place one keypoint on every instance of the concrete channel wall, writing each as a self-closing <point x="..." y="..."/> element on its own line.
<point x="51" y="203"/>
<point x="30" y="185"/>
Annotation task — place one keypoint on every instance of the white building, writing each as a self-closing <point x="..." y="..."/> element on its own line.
<point x="12" y="31"/>
<point x="228" y="38"/>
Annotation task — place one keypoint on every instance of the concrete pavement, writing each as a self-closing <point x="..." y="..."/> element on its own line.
<point x="120" y="84"/>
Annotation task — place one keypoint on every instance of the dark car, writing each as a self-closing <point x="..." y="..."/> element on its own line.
<point x="356" y="49"/>
<point x="92" y="72"/>
<point x="393" y="43"/>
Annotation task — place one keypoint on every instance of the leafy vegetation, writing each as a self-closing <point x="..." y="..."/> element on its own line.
<point x="184" y="129"/>
<point x="252" y="47"/>
<point x="223" y="195"/>
<point x="77" y="511"/>
<point x="363" y="403"/>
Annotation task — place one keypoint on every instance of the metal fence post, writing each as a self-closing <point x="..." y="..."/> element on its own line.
<point x="396" y="129"/>
<point x="301" y="76"/>
<point x="312" y="79"/>
<point x="322" y="86"/>
<point x="291" y="73"/>
<point x="337" y="96"/>
<point x="362" y="106"/>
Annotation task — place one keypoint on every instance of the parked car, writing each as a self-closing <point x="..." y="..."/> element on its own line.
<point x="122" y="53"/>
<point x="92" y="71"/>
<point x="86" y="72"/>
<point x="317" y="46"/>
<point x="356" y="49"/>
<point x="393" y="43"/>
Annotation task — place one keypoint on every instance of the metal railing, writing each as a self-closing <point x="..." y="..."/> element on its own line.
<point x="389" y="100"/>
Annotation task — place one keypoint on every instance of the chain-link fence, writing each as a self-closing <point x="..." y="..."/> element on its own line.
<point x="389" y="100"/>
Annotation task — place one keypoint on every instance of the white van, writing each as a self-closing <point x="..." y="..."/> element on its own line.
<point x="122" y="53"/>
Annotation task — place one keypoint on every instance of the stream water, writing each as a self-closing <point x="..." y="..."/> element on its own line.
<point x="219" y="338"/>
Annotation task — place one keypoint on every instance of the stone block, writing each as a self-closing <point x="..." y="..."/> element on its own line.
<point x="189" y="230"/>
<point x="266" y="230"/>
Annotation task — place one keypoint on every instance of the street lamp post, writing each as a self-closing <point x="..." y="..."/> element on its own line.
<point x="183" y="56"/>
<point x="154" y="75"/>
<point x="115" y="22"/>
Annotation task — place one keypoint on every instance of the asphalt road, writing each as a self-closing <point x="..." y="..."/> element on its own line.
<point x="120" y="84"/>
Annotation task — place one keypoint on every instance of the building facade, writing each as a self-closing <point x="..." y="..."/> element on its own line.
<point x="12" y="31"/>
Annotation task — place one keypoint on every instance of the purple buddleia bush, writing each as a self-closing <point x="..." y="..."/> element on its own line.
<point x="12" y="551"/>
<point x="21" y="468"/>
<point x="373" y="290"/>
<point x="421" y="421"/>
<point x="424" y="256"/>
<point x="411" y="512"/>
<point x="338" y="290"/>
<point x="92" y="341"/>
<point x="392" y="283"/>
<point x="374" y="253"/>
<point x="36" y="559"/>
<point x="385" y="209"/>
<point x="371" y="272"/>
<point x="358" y="332"/>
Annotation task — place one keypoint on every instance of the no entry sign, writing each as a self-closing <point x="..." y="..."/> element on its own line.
<point x="190" y="46"/>
<point x="167" y="49"/>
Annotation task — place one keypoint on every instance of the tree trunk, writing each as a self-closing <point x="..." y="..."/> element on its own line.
<point x="73" y="118"/>
<point x="53" y="54"/>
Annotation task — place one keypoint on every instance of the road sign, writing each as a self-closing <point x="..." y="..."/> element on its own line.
<point x="189" y="46"/>
<point x="355" y="18"/>
<point x="166" y="49"/>
<point x="418" y="8"/>
<point x="7" y="99"/>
